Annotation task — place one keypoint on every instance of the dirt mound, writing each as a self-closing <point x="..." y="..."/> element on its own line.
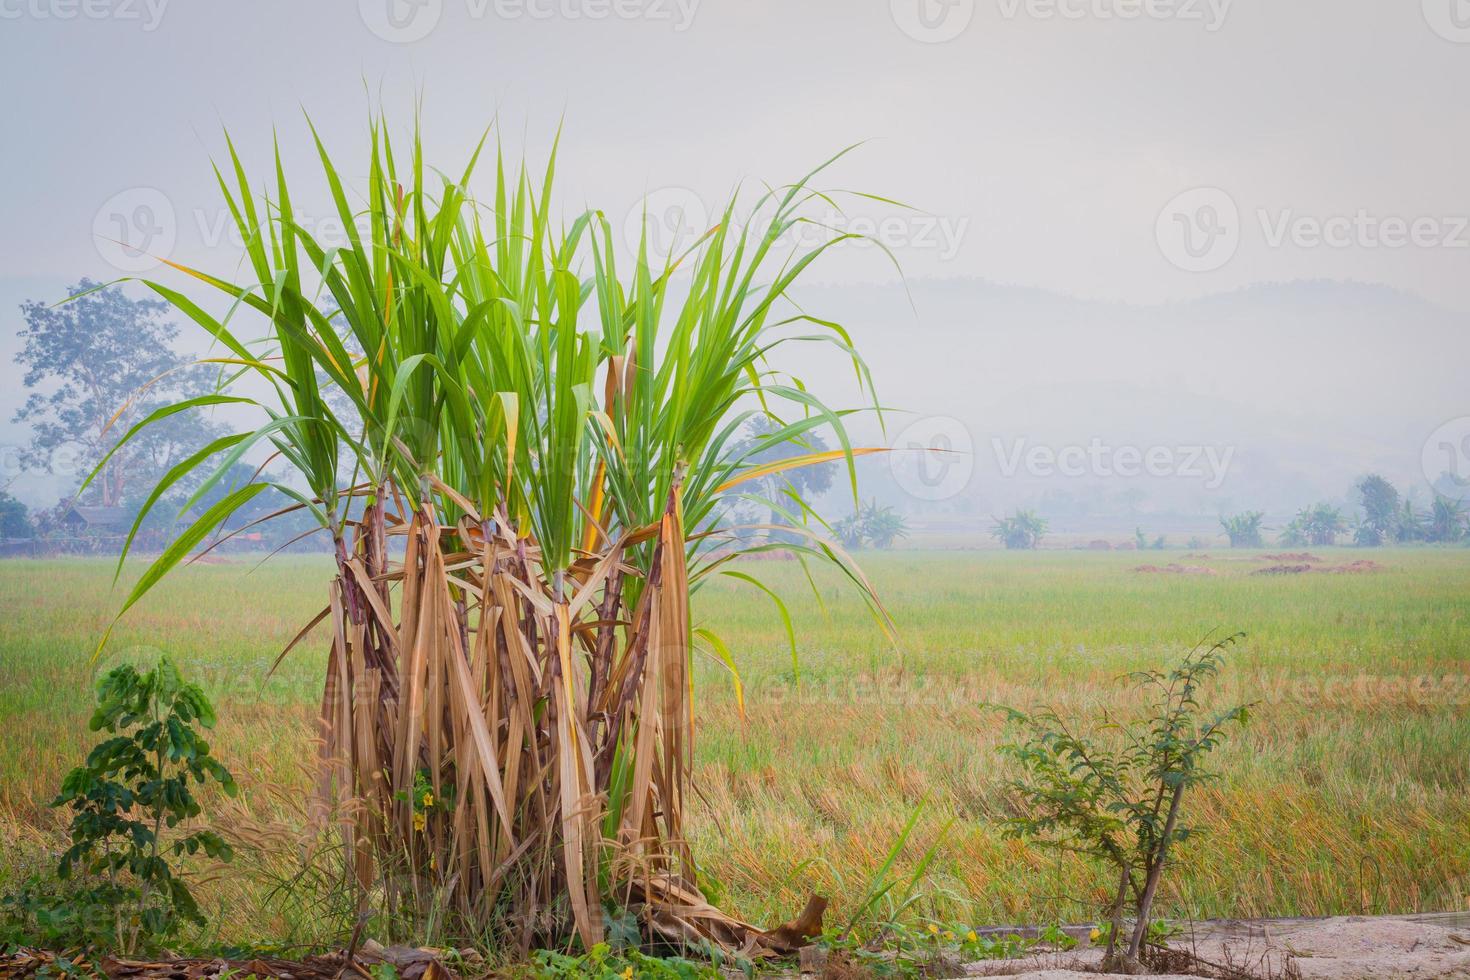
<point x="1358" y="567"/>
<point x="1174" y="568"/>
<point x="1354" y="567"/>
<point x="1292" y="556"/>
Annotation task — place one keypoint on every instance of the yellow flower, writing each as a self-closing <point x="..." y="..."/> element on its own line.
<point x="971" y="936"/>
<point x="933" y="929"/>
<point x="1095" y="934"/>
<point x="428" y="799"/>
<point x="419" y="821"/>
<point x="948" y="935"/>
<point x="628" y="974"/>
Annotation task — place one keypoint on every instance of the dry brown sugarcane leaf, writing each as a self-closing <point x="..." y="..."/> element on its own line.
<point x="411" y="709"/>
<point x="640" y="789"/>
<point x="521" y="654"/>
<point x="484" y="747"/>
<point x="315" y="621"/>
<point x="538" y="601"/>
<point x="576" y="799"/>
<point x="454" y="495"/>
<point x="675" y="705"/>
<point x="327" y="717"/>
<point x="435" y="601"/>
<point x="375" y="601"/>
<point x="798" y="932"/>
<point x="370" y="772"/>
<point x="468" y="587"/>
<point x="595" y="580"/>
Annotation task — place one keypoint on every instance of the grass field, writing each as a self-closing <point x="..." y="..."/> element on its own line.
<point x="1348" y="792"/>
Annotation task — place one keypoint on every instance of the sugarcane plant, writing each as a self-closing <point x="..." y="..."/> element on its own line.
<point x="525" y="460"/>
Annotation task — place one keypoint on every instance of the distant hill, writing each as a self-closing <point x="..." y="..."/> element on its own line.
<point x="1312" y="383"/>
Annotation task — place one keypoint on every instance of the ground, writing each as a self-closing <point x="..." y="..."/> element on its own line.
<point x="1340" y="948"/>
<point x="1344" y="796"/>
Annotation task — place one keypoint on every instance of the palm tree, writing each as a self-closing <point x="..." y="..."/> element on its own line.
<point x="1446" y="523"/>
<point x="1322" y="524"/>
<point x="1408" y="524"/>
<point x="1022" y="530"/>
<point x="850" y="531"/>
<point x="1244" y="530"/>
<point x="883" y="525"/>
<point x="1294" y="534"/>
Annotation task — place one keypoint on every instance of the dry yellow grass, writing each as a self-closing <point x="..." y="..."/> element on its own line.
<point x="1346" y="794"/>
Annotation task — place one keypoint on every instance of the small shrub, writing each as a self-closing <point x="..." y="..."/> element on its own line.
<point x="116" y="885"/>
<point x="1119" y="799"/>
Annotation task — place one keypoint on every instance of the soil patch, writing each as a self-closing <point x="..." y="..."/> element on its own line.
<point x="1173" y="568"/>
<point x="1426" y="947"/>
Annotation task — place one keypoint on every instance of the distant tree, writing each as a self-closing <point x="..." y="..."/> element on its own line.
<point x="849" y="531"/>
<point x="95" y="365"/>
<point x="879" y="526"/>
<point x="1380" y="503"/>
<point x="1141" y="541"/>
<point x="1408" y="524"/>
<point x="883" y="525"/>
<point x="1244" y="530"/>
<point x="1321" y="524"/>
<point x="1294" y="534"/>
<point x="15" y="521"/>
<point x="772" y="491"/>
<point x="1022" y="530"/>
<point x="1447" y="519"/>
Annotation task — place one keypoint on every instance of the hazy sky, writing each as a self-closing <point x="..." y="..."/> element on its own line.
<point x="1045" y="137"/>
<point x="1135" y="151"/>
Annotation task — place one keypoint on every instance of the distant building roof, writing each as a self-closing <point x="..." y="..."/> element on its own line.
<point x="97" y="516"/>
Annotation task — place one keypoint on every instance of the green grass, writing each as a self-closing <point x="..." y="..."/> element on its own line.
<point x="1346" y="794"/>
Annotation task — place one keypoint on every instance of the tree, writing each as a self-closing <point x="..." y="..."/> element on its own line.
<point x="1244" y="530"/>
<point x="1294" y="534"/>
<point x="97" y="364"/>
<point x="1022" y="530"/>
<point x="1408" y="524"/>
<point x="15" y="522"/>
<point x="871" y="524"/>
<point x="1116" y="793"/>
<point x="763" y="439"/>
<point x="1380" y="503"/>
<point x="1319" y="524"/>
<point x="1446" y="523"/>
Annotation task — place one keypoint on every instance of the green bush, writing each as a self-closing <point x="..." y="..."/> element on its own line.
<point x="117" y="886"/>
<point x="1116" y="793"/>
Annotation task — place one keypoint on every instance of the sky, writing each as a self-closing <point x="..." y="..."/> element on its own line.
<point x="1136" y="152"/>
